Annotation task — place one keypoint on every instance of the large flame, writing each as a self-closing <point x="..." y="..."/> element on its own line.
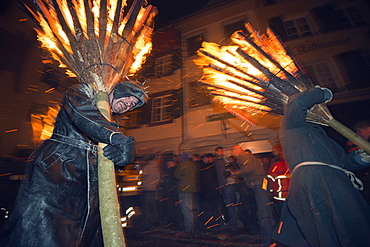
<point x="240" y="76"/>
<point x="43" y="124"/>
<point x="265" y="61"/>
<point x="80" y="34"/>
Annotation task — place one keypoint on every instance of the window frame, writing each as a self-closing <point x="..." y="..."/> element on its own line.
<point x="323" y="74"/>
<point x="163" y="65"/>
<point x="162" y="106"/>
<point x="197" y="95"/>
<point x="300" y="32"/>
<point x="343" y="12"/>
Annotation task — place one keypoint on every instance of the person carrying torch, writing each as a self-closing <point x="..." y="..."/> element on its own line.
<point x="101" y="43"/>
<point x="259" y="75"/>
<point x="324" y="206"/>
<point x="58" y="203"/>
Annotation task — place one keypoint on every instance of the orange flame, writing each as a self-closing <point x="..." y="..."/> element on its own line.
<point x="71" y="28"/>
<point x="43" y="124"/>
<point x="239" y="75"/>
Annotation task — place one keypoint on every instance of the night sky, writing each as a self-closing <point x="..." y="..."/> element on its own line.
<point x="168" y="9"/>
<point x="172" y="9"/>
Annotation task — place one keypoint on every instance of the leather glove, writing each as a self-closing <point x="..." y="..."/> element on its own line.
<point x="122" y="151"/>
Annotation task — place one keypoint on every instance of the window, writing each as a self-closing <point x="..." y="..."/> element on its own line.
<point x="163" y="65"/>
<point x="353" y="68"/>
<point x="320" y="74"/>
<point x="194" y="43"/>
<point x="161" y="108"/>
<point x="199" y="95"/>
<point x="297" y="28"/>
<point x="231" y="28"/>
<point x="351" y="17"/>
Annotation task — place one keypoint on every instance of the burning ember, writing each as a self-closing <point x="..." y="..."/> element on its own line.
<point x="256" y="75"/>
<point x="94" y="40"/>
<point x="100" y="44"/>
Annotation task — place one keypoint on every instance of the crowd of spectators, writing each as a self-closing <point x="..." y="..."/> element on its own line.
<point x="207" y="192"/>
<point x="229" y="194"/>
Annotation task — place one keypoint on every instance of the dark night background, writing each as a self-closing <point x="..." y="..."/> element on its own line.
<point x="168" y="9"/>
<point x="13" y="48"/>
<point x="171" y="9"/>
<point x="15" y="45"/>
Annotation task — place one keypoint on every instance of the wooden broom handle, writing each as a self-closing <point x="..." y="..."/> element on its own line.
<point x="350" y="135"/>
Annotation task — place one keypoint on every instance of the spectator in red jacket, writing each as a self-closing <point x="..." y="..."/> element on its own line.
<point x="278" y="176"/>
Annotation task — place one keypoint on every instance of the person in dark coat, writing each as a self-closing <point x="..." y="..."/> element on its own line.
<point x="227" y="185"/>
<point x="323" y="207"/>
<point x="187" y="174"/>
<point x="362" y="128"/>
<point x="209" y="197"/>
<point x="172" y="213"/>
<point x="253" y="173"/>
<point x="58" y="206"/>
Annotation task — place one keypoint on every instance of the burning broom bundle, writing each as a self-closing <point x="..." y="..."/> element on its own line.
<point x="257" y="75"/>
<point x="99" y="43"/>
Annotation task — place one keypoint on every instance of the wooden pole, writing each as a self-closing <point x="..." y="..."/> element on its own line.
<point x="113" y="234"/>
<point x="350" y="135"/>
<point x="101" y="58"/>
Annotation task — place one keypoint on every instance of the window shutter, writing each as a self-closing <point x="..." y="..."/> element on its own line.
<point x="194" y="43"/>
<point x="177" y="59"/>
<point x="327" y="18"/>
<point x="277" y="25"/>
<point x="355" y="68"/>
<point x="145" y="114"/>
<point x="176" y="107"/>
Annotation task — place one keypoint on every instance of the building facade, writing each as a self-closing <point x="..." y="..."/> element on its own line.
<point x="329" y="38"/>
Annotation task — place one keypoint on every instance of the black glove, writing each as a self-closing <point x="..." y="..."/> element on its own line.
<point x="122" y="152"/>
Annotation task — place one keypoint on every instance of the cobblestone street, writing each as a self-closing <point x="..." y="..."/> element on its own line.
<point x="169" y="238"/>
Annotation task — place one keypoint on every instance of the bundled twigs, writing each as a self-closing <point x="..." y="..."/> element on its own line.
<point x="258" y="74"/>
<point x="99" y="44"/>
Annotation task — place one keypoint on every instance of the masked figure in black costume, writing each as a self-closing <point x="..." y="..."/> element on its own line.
<point x="58" y="204"/>
<point x="323" y="207"/>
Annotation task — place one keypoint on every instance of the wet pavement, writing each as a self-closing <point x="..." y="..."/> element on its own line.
<point x="163" y="237"/>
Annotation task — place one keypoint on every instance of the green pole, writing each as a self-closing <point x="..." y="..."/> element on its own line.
<point x="113" y="235"/>
<point x="350" y="135"/>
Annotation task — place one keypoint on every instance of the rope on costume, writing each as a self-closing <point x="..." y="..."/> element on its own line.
<point x="356" y="182"/>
